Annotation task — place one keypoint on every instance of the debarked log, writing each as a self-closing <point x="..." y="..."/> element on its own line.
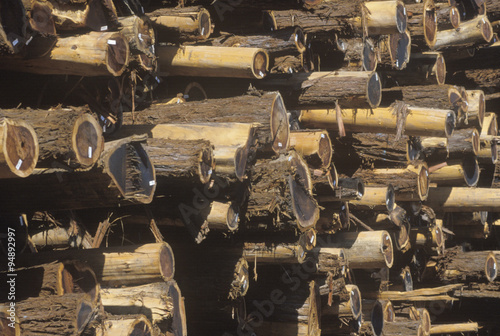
<point x="18" y="149"/>
<point x="125" y="326"/>
<point x="456" y="173"/>
<point x="376" y="198"/>
<point x="469" y="33"/>
<point x="460" y="199"/>
<point x="314" y="146"/>
<point x="182" y="23"/>
<point x="422" y="24"/>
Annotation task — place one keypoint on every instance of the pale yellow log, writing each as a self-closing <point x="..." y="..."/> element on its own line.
<point x="223" y="217"/>
<point x="476" y="107"/>
<point x="384" y="17"/>
<point x="457" y="173"/>
<point x="419" y="122"/>
<point x="315" y="144"/>
<point x="207" y="61"/>
<point x="273" y="254"/>
<point x="62" y="237"/>
<point x="125" y="327"/>
<point x="463" y="199"/>
<point x="18" y="148"/>
<point x="470" y="32"/>
<point x="424" y="294"/>
<point x="229" y="159"/>
<point x="197" y="24"/>
<point x="350" y="309"/>
<point x="488" y="149"/>
<point x="376" y="198"/>
<point x="455" y="328"/>
<point x="490" y="124"/>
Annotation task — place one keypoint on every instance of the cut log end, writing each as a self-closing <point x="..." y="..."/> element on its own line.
<point x="438" y="238"/>
<point x="117" y="55"/>
<point x="167" y="262"/>
<point x="325" y="150"/>
<point x="87" y="140"/>
<point x="430" y="23"/>
<point x="401" y="17"/>
<point x="223" y="217"/>
<point x="423" y="182"/>
<point x="280" y="127"/>
<point x="84" y="313"/>
<point x="20" y="149"/>
<point x="440" y="69"/>
<point x="241" y="279"/>
<point x="307" y="240"/>
<point x="300" y="39"/>
<point x="390" y="198"/>
<point x="355" y="300"/>
<point x="260" y="64"/>
<point x="486" y="30"/>
<point x="207" y="165"/>
<point x="370" y="59"/>
<point x="476" y="142"/>
<point x="400" y="49"/>
<point x="374" y="90"/>
<point x="471" y="171"/>
<point x="426" y="321"/>
<point x="387" y="249"/>
<point x="450" y="123"/>
<point x="179" y="325"/>
<point x="491" y="268"/>
<point x="77" y="276"/>
<point x="205" y="24"/>
<point x="494" y="152"/>
<point x="41" y="19"/>
<point x="455" y="19"/>
<point x="382" y="311"/>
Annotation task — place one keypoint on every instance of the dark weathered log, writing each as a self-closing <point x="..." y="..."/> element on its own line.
<point x="160" y="302"/>
<point x="423" y="68"/>
<point x="411" y="183"/>
<point x="468" y="225"/>
<point x="14" y="23"/>
<point x="139" y="34"/>
<point x="182" y="23"/>
<point x="71" y="136"/>
<point x="123" y="175"/>
<point x="347" y="189"/>
<point x="445" y="97"/>
<point x="352" y="89"/>
<point x="432" y="150"/>
<point x="422" y="24"/>
<point x="268" y="110"/>
<point x="95" y="54"/>
<point x="282" y="188"/>
<point x="117" y="266"/>
<point x="402" y="328"/>
<point x="447" y="16"/>
<point x="377" y="150"/>
<point x="41" y="17"/>
<point x="181" y="160"/>
<point x="360" y="54"/>
<point x="463" y="142"/>
<point x="314" y="146"/>
<point x="19" y="149"/>
<point x="288" y="64"/>
<point x="71" y="311"/>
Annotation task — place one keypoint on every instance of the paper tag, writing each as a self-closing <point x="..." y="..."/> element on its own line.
<point x="322" y="136"/>
<point x="280" y="144"/>
<point x="140" y="37"/>
<point x="157" y="79"/>
<point x="290" y="158"/>
<point x="153" y="49"/>
<point x="296" y="38"/>
<point x="186" y="96"/>
<point x="15" y="42"/>
<point x="152" y="183"/>
<point x="90" y="152"/>
<point x="29" y="40"/>
<point x="103" y="28"/>
<point x="210" y="172"/>
<point x="178" y="101"/>
<point x="203" y="31"/>
<point x="112" y="42"/>
<point x="104" y="128"/>
<point x="19" y="163"/>
<point x="261" y="74"/>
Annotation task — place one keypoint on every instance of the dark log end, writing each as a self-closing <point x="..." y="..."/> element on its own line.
<point x="401" y="17"/>
<point x="440" y="69"/>
<point x="377" y="318"/>
<point x="438" y="238"/>
<point x="450" y="123"/>
<point x="325" y="150"/>
<point x="407" y="279"/>
<point x="370" y="59"/>
<point x="280" y="127"/>
<point x="117" y="55"/>
<point x="20" y="148"/>
<point x="207" y="164"/>
<point x="390" y="198"/>
<point x="77" y="277"/>
<point x="402" y="236"/>
<point x="260" y="64"/>
<point x="233" y="217"/>
<point x="355" y="299"/>
<point x="332" y="176"/>
<point x="141" y="327"/>
<point x="494" y="152"/>
<point x="240" y="162"/>
<point x="430" y="23"/>
<point x="374" y="90"/>
<point x="269" y="21"/>
<point x="491" y="267"/>
<point x="471" y="170"/>
<point x="242" y="277"/>
<point x="87" y="140"/>
<point x="413" y="149"/>
<point x="387" y="249"/>
<point x="476" y="141"/>
<point x="423" y="182"/>
<point x="353" y="184"/>
<point x="178" y="325"/>
<point x="167" y="262"/>
<point x="455" y="17"/>
<point x="307" y="240"/>
<point x="300" y="39"/>
<point x="481" y="109"/>
<point x="41" y="19"/>
<point x="426" y="321"/>
<point x="400" y="47"/>
<point x="85" y="312"/>
<point x="205" y="24"/>
<point x="486" y="30"/>
<point x="194" y="91"/>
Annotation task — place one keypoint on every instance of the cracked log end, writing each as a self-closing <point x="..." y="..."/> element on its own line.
<point x="19" y="149"/>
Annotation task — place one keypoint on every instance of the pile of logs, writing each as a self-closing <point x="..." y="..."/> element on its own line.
<point x="237" y="167"/>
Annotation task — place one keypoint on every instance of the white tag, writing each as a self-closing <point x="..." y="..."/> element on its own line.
<point x="104" y="128"/>
<point x="90" y="152"/>
<point x="210" y="172"/>
<point x="178" y="101"/>
<point x="290" y="158"/>
<point x="112" y="42"/>
<point x="322" y="136"/>
<point x="296" y="38"/>
<point x="261" y="74"/>
<point x="153" y="49"/>
<point x="140" y="37"/>
<point x="203" y="31"/>
<point x="280" y="144"/>
<point x="29" y="40"/>
<point x="103" y="28"/>
<point x="186" y="96"/>
<point x="152" y="183"/>
<point x="15" y="42"/>
<point x="157" y="79"/>
<point x="19" y="163"/>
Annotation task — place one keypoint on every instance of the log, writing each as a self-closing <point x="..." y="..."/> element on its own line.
<point x="468" y="225"/>
<point x="71" y="311"/>
<point x="446" y="97"/>
<point x="395" y="50"/>
<point x="117" y="266"/>
<point x="417" y="295"/>
<point x="95" y="54"/>
<point x="273" y="253"/>
<point x="469" y="33"/>
<point x="359" y="53"/>
<point x="122" y="175"/>
<point x="180" y="24"/>
<point x="400" y="328"/>
<point x="488" y="150"/>
<point x="9" y="322"/>
<point x="61" y="237"/>
<point x="160" y="302"/>
<point x="490" y="124"/>
<point x="462" y="267"/>
<point x="460" y="199"/>
<point x="324" y="180"/>
<point x="71" y="136"/>
<point x="454" y="328"/>
<point x="376" y="149"/>
<point x="314" y="146"/>
<point x="429" y="149"/>
<point x="422" y="24"/>
<point x="377" y="199"/>
<point x="382" y="312"/>
<point x="366" y="249"/>
<point x="384" y="17"/>
<point x="411" y="183"/>
<point x="463" y="142"/>
<point x="57" y="278"/>
<point x="13" y="35"/>
<point x="223" y="217"/>
<point x="424" y="68"/>
<point x="350" y="309"/>
<point x="282" y="188"/>
<point x="207" y="61"/>
<point x="415" y="121"/>
<point x="321" y="89"/>
<point x="141" y="39"/>
<point x="41" y="17"/>
<point x="181" y="160"/>
<point x="448" y="16"/>
<point x="476" y="109"/>
<point x="456" y="173"/>
<point x="347" y="189"/>
<point x="18" y="149"/>
<point x="268" y="110"/>
<point x="125" y="326"/>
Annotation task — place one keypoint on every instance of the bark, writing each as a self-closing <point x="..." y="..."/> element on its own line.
<point x="182" y="23"/>
<point x="359" y="53"/>
<point x="281" y="189"/>
<point x="314" y="146"/>
<point x="181" y="160"/>
<point x="463" y="142"/>
<point x="71" y="136"/>
<point x="123" y="175"/>
<point x="18" y="149"/>
<point x="139" y="34"/>
<point x="324" y="181"/>
<point x="423" y="69"/>
<point x="470" y="33"/>
<point x="377" y="198"/>
<point x="446" y="97"/>
<point x="400" y="328"/>
<point x="422" y="24"/>
<point x="41" y="17"/>
<point x="118" y="266"/>
<point x="379" y="151"/>
<point x="432" y="150"/>
<point x="268" y="110"/>
<point x="462" y="267"/>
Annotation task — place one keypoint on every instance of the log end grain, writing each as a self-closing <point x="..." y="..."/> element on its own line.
<point x="179" y="325"/>
<point x="440" y="69"/>
<point x="450" y="123"/>
<point x="387" y="249"/>
<point x="430" y="23"/>
<point x="400" y="49"/>
<point x="280" y="127"/>
<point x="300" y="39"/>
<point x="117" y="54"/>
<point x="401" y="17"/>
<point x="471" y="170"/>
<point x="167" y="262"/>
<point x="491" y="267"/>
<point x="390" y="198"/>
<point x="370" y="59"/>
<point x="260" y="64"/>
<point x="374" y="90"/>
<point x="87" y="140"/>
<point x="204" y="24"/>
<point x="355" y="300"/>
<point x="19" y="149"/>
